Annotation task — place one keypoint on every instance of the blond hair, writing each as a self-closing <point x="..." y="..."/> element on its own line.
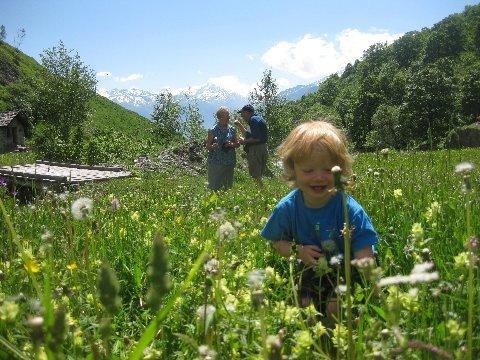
<point x="222" y="110"/>
<point x="314" y="136"/>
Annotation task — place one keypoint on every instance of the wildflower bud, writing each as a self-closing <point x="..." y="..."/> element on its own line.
<point x="58" y="332"/>
<point x="109" y="288"/>
<point x="36" y="329"/>
<point x="385" y="334"/>
<point x="274" y="347"/>
<point x="157" y="273"/>
<point x="257" y="297"/>
<point x="115" y="203"/>
<point x="472" y="243"/>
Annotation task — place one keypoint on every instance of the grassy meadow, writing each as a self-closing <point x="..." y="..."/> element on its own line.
<point x="158" y="267"/>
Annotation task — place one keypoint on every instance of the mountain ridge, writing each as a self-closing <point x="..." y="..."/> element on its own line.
<point x="208" y="97"/>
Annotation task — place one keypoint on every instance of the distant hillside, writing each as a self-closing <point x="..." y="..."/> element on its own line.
<point x="410" y="94"/>
<point x="16" y="70"/>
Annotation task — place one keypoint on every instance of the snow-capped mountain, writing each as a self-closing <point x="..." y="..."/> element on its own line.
<point x="208" y="98"/>
<point x="296" y="93"/>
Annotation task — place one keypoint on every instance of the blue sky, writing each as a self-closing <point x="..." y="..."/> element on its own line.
<point x="177" y="44"/>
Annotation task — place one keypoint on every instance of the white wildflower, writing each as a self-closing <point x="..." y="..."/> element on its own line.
<point x="336" y="260"/>
<point x="423" y="267"/>
<point x="82" y="208"/>
<point x="419" y="274"/>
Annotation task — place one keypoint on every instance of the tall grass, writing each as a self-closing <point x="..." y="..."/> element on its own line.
<point x="422" y="320"/>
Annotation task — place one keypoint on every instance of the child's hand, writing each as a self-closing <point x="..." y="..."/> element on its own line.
<point x="309" y="254"/>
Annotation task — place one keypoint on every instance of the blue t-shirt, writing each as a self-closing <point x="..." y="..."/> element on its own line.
<point x="258" y="128"/>
<point x="221" y="155"/>
<point x="292" y="220"/>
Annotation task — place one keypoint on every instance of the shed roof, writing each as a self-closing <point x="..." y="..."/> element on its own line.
<point x="7" y="117"/>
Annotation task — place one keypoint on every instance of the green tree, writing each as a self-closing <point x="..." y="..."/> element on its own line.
<point x="471" y="91"/>
<point x="447" y="38"/>
<point x="166" y="115"/>
<point x="19" y="37"/>
<point x="61" y="101"/>
<point x="264" y="97"/>
<point x="429" y="107"/>
<point x="386" y="129"/>
<point x="3" y="33"/>
<point x="193" y="128"/>
<point x="407" y="48"/>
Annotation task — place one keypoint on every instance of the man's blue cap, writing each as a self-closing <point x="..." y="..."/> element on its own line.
<point x="248" y="108"/>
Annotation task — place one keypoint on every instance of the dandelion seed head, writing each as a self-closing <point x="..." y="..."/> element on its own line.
<point x="206" y="353"/>
<point x="82" y="208"/>
<point x="464" y="167"/>
<point x="211" y="267"/>
<point x="205" y="311"/>
<point x="336" y="169"/>
<point x="256" y="278"/>
<point x="218" y="214"/>
<point x="226" y="231"/>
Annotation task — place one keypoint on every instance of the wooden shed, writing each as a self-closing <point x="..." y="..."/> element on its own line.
<point x="12" y="131"/>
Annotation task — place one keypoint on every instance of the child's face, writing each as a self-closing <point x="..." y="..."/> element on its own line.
<point x="314" y="178"/>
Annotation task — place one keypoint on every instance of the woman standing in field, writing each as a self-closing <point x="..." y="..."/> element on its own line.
<point x="221" y="143"/>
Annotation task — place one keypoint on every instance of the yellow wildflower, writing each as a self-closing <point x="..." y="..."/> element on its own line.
<point x="72" y="266"/>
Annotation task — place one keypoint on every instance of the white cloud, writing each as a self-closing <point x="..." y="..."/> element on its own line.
<point x="104" y="74"/>
<point x="103" y="92"/>
<point x="231" y="83"/>
<point x="131" y="77"/>
<point x="283" y="83"/>
<point x="250" y="57"/>
<point x="315" y="57"/>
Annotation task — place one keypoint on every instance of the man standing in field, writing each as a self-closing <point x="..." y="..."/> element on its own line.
<point x="255" y="141"/>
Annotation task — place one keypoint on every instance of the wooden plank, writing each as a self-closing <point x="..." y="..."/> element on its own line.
<point x="30" y="176"/>
<point x="79" y="166"/>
